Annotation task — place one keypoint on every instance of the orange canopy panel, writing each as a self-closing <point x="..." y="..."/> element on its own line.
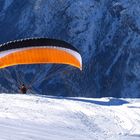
<point x="39" y="53"/>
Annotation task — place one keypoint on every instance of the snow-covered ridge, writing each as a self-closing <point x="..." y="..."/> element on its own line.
<point x="34" y="117"/>
<point x="107" y="33"/>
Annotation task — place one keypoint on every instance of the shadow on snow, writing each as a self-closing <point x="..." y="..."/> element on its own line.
<point x="111" y="102"/>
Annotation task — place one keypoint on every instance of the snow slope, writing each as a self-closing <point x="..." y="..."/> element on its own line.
<point x="34" y="117"/>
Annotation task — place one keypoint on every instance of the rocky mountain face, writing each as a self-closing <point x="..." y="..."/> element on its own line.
<point x="106" y="32"/>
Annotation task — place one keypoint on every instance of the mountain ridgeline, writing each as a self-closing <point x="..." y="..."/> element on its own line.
<point x="106" y="33"/>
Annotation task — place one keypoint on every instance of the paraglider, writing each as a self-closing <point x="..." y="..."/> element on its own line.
<point x="23" y="89"/>
<point x="39" y="51"/>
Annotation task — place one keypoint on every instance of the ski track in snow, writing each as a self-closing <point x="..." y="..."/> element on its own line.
<point x="36" y="117"/>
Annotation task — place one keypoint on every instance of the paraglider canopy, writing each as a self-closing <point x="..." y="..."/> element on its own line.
<point x="39" y="51"/>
